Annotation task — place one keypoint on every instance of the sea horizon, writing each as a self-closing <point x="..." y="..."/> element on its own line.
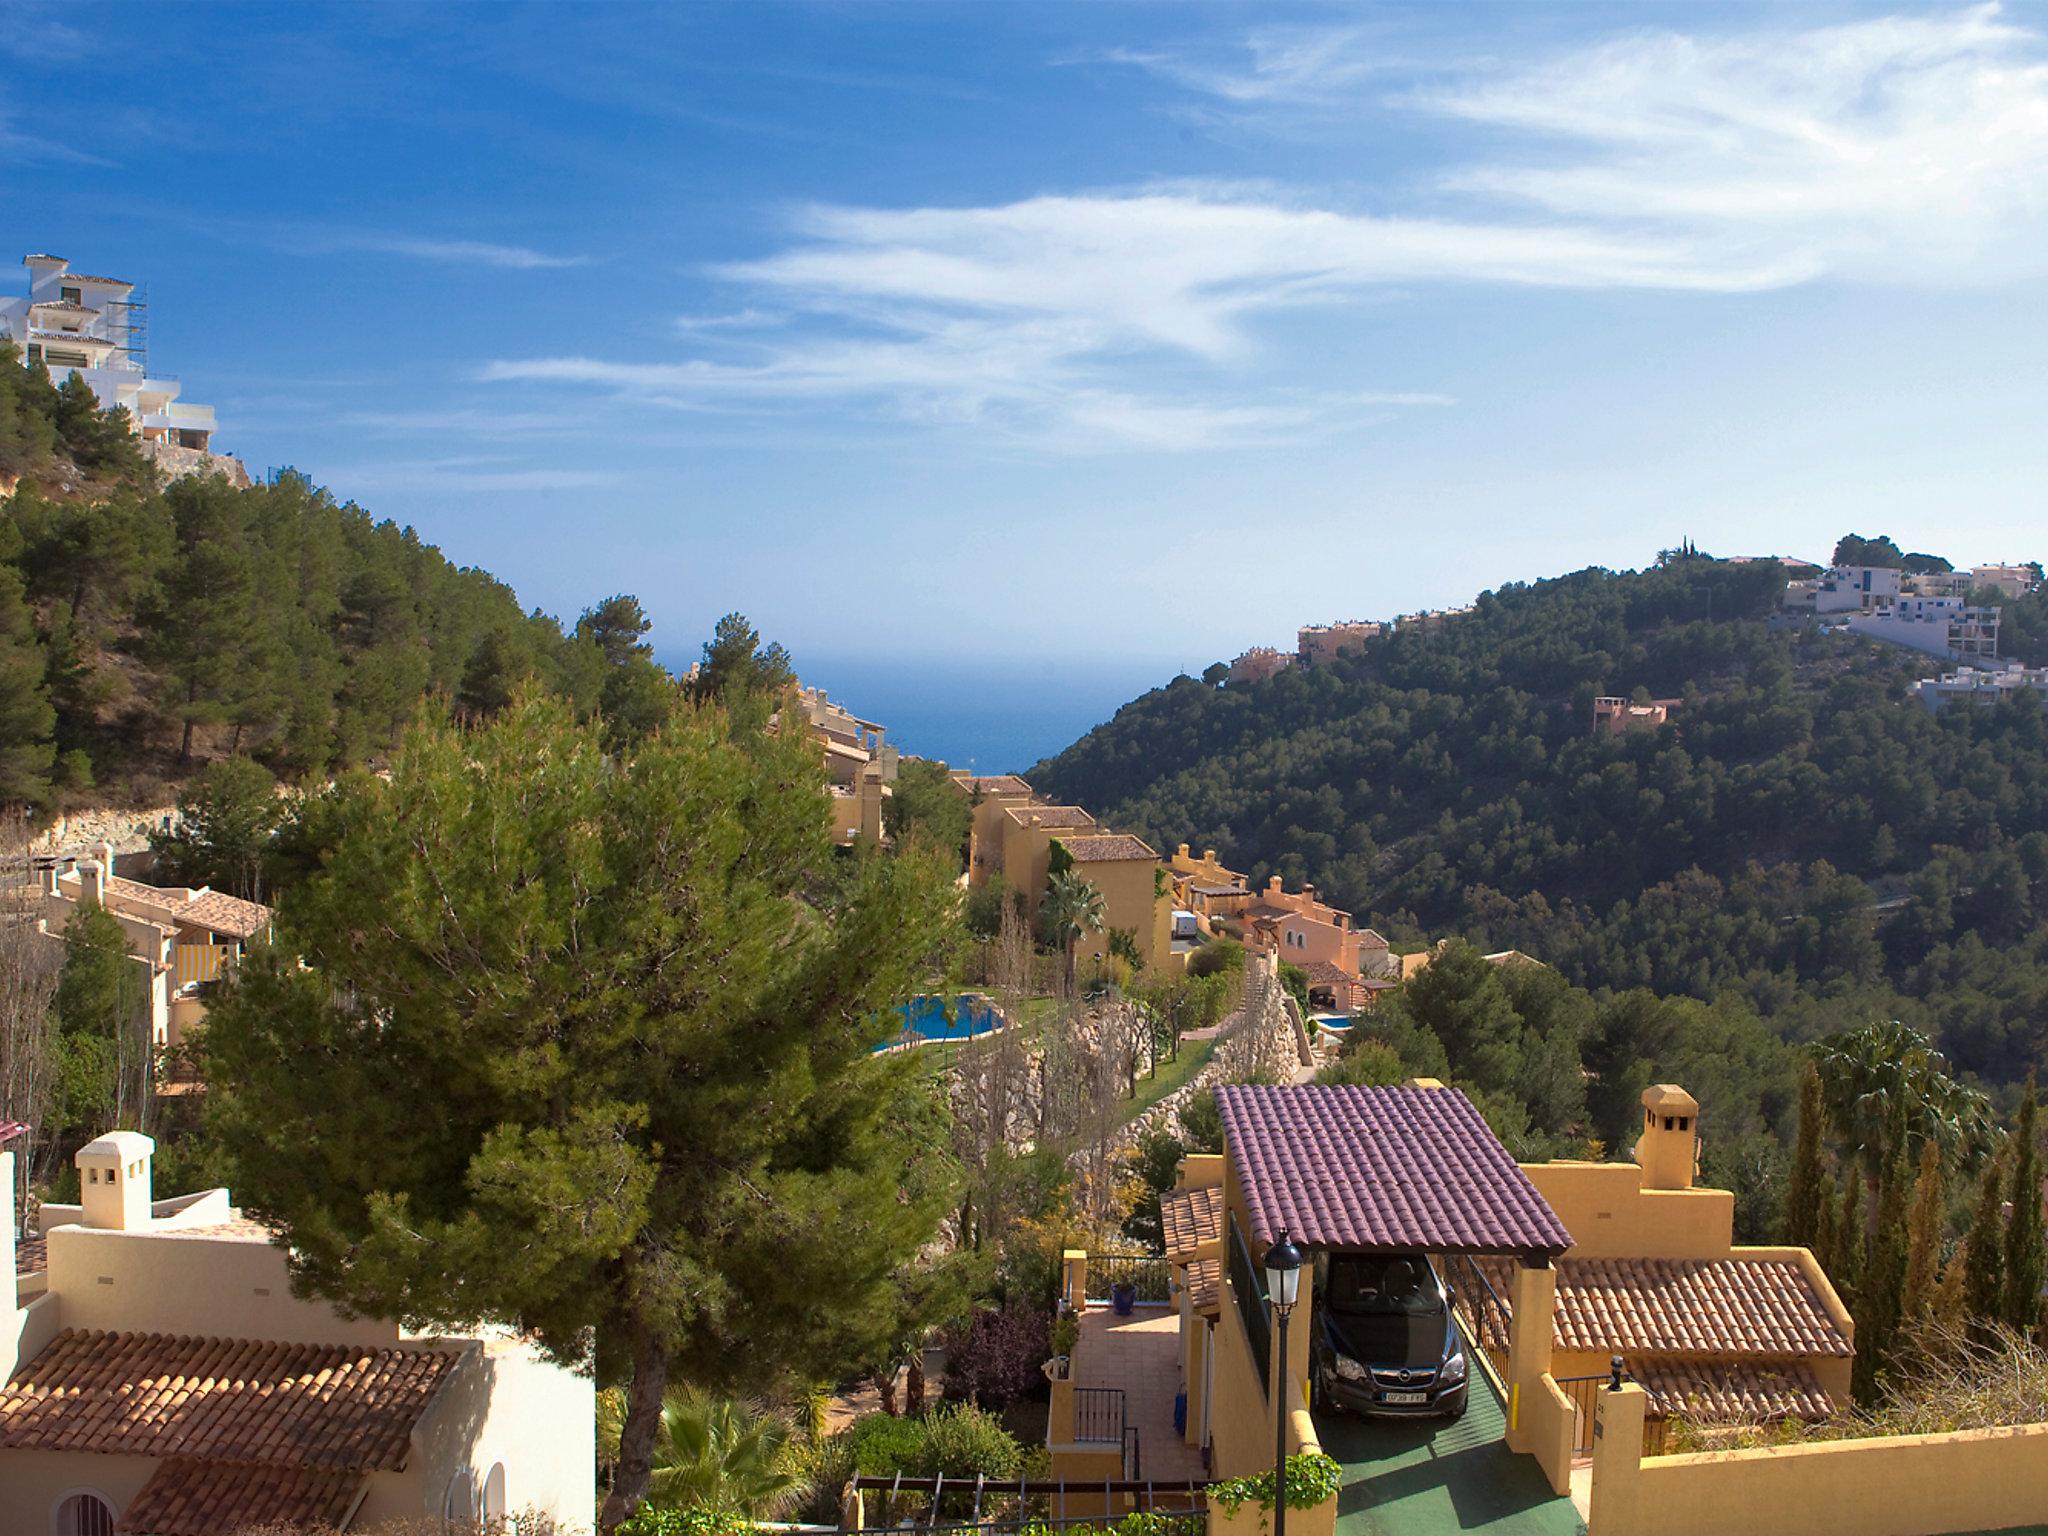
<point x="986" y="714"/>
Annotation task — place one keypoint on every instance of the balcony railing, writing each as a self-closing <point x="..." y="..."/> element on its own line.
<point x="1251" y="1301"/>
<point x="1099" y="1417"/>
<point x="895" y="1504"/>
<point x="1148" y="1273"/>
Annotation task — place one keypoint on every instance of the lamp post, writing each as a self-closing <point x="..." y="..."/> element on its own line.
<point x="1283" y="1285"/>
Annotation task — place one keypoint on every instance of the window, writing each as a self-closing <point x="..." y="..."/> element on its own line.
<point x="85" y="1514"/>
<point x="71" y="295"/>
<point x="460" y="1502"/>
<point x="494" y="1493"/>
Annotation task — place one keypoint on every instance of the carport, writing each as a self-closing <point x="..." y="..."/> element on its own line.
<point x="1407" y="1170"/>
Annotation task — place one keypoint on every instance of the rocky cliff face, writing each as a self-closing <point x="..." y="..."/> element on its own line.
<point x="82" y="831"/>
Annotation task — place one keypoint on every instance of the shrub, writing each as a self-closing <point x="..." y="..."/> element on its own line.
<point x="959" y="1440"/>
<point x="995" y="1358"/>
<point x="883" y="1443"/>
<point x="649" y="1521"/>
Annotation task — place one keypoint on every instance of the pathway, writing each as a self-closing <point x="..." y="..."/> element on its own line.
<point x="1428" y="1477"/>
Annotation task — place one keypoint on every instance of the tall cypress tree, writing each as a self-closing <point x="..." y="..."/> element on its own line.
<point x="1923" y="1238"/>
<point x="1850" y="1258"/>
<point x="1884" y="1282"/>
<point x="2023" y="1259"/>
<point x="1803" y="1189"/>
<point x="1984" y="1264"/>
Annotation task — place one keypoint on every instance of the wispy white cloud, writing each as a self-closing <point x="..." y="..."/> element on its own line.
<point x="477" y="253"/>
<point x="1911" y="149"/>
<point x="465" y="474"/>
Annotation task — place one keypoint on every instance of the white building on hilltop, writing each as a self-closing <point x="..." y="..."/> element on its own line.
<point x="1981" y="688"/>
<point x="96" y="327"/>
<point x="1946" y="627"/>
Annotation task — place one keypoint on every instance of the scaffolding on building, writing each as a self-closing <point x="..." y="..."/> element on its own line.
<point x="128" y="326"/>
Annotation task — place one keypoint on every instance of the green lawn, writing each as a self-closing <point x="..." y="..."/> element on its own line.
<point x="1170" y="1076"/>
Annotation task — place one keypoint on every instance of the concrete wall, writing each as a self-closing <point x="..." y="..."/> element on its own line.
<point x="160" y="1283"/>
<point x="1553" y="1430"/>
<point x="1908" y="1485"/>
<point x="1611" y="1216"/>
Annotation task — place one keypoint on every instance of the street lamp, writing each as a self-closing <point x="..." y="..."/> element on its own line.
<point x="1283" y="1285"/>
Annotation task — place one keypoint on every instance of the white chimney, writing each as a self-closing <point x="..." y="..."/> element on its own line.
<point x="92" y="882"/>
<point x="105" y="854"/>
<point x="114" y="1181"/>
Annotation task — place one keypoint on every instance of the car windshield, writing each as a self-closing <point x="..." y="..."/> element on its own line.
<point x="1382" y="1288"/>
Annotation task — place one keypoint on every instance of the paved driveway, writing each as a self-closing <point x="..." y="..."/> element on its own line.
<point x="1427" y="1477"/>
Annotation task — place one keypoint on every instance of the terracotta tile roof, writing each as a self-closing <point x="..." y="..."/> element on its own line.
<point x="1106" y="846"/>
<point x="1381" y="1168"/>
<point x="1205" y="1285"/>
<point x="60" y="307"/>
<point x="1371" y="939"/>
<point x="1239" y="889"/>
<point x="31" y="1255"/>
<point x="994" y="784"/>
<point x="1759" y="1308"/>
<point x="1190" y="1218"/>
<point x="1049" y="816"/>
<point x="87" y="277"/>
<point x="188" y="1497"/>
<point x="1710" y="1391"/>
<point x="150" y="1394"/>
<point x="1322" y="973"/>
<point x="219" y="912"/>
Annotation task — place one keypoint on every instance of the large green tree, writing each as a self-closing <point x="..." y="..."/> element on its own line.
<point x="227" y="817"/>
<point x="586" y="1046"/>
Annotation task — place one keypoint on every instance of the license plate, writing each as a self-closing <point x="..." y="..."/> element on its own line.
<point x="1404" y="1397"/>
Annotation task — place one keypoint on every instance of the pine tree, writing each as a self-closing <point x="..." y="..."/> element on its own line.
<point x="1984" y="1267"/>
<point x="26" y="718"/>
<point x="1803" y="1192"/>
<point x="2021" y="1307"/>
<point x="1923" y="1238"/>
<point x="608" y="1075"/>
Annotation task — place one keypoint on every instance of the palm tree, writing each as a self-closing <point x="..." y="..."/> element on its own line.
<point x="1887" y="1068"/>
<point x="1072" y="907"/>
<point x="717" y="1454"/>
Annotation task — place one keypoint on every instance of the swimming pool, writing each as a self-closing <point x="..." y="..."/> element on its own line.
<point x="926" y="1019"/>
<point x="1337" y="1021"/>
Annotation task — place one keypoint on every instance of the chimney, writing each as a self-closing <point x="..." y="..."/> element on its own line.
<point x="92" y="882"/>
<point x="1183" y="850"/>
<point x="105" y="854"/>
<point x="1273" y="884"/>
<point x="1669" y="1151"/>
<point x="114" y="1181"/>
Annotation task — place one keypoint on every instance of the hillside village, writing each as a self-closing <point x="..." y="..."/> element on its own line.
<point x="531" y="1091"/>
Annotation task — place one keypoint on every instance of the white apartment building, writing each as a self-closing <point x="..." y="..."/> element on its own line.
<point x="1845" y="589"/>
<point x="95" y="327"/>
<point x="1980" y="688"/>
<point x="1936" y="626"/>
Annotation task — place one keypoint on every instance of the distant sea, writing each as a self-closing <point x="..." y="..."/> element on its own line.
<point x="993" y="715"/>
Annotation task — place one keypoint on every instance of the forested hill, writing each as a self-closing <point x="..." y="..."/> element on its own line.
<point x="1802" y="833"/>
<point x="144" y="629"/>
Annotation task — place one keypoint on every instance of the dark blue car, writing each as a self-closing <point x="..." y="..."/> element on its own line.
<point x="1386" y="1341"/>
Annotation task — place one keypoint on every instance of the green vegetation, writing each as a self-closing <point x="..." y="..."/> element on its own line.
<point x="717" y="1454"/>
<point x="544" y="1009"/>
<point x="145" y="628"/>
<point x="1312" y="1478"/>
<point x="1803" y="843"/>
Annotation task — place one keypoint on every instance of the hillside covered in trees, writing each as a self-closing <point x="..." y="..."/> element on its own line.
<point x="143" y="629"/>
<point x="1802" y="841"/>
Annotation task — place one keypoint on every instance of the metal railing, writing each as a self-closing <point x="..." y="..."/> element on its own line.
<point x="1147" y="1273"/>
<point x="1099" y="1415"/>
<point x="983" y="1505"/>
<point x="1251" y="1302"/>
<point x="1485" y="1315"/>
<point x="1584" y="1392"/>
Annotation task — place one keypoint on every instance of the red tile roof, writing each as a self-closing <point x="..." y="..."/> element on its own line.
<point x="1205" y="1285"/>
<point x="1190" y="1218"/>
<point x="218" y="912"/>
<point x="1760" y="1308"/>
<point x="1741" y="1392"/>
<point x="1106" y="846"/>
<point x="154" y="1394"/>
<point x="1397" y="1169"/>
<point x="187" y="1497"/>
<point x="31" y="1255"/>
<point x="1049" y="816"/>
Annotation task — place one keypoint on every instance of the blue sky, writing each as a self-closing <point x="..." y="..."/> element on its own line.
<point x="1077" y="333"/>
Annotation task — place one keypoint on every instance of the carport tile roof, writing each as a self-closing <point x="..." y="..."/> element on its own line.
<point x="1190" y="1218"/>
<point x="1733" y="1391"/>
<point x="1381" y="1168"/>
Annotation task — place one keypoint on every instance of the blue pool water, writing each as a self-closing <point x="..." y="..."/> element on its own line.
<point x="1337" y="1021"/>
<point x="926" y="1019"/>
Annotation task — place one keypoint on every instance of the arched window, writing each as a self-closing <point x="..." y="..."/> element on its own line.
<point x="84" y="1514"/>
<point x="494" y="1492"/>
<point x="460" y="1504"/>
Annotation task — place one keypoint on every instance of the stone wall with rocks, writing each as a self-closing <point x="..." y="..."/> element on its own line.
<point x="174" y="462"/>
<point x="82" y="831"/>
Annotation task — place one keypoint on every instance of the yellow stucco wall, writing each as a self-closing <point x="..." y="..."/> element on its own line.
<point x="1611" y="1216"/>
<point x="1909" y="1485"/>
<point x="1130" y="899"/>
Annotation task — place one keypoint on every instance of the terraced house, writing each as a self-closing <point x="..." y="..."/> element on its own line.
<point x="158" y="1378"/>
